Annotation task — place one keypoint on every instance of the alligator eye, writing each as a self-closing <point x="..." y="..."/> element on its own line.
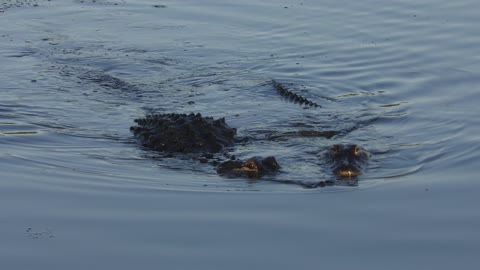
<point x="336" y="149"/>
<point x="356" y="150"/>
<point x="359" y="152"/>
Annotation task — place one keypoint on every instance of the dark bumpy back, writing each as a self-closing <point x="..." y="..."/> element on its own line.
<point x="183" y="133"/>
<point x="282" y="90"/>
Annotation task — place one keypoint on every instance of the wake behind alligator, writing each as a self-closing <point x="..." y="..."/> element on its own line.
<point x="209" y="139"/>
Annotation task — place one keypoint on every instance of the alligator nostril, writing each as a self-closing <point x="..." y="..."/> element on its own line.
<point x="347" y="172"/>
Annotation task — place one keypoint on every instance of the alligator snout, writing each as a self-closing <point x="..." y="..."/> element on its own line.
<point x="347" y="171"/>
<point x="347" y="161"/>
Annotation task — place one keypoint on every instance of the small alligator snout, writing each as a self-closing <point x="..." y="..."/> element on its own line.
<point x="347" y="161"/>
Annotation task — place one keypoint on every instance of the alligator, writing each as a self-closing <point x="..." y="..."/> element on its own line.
<point x="193" y="133"/>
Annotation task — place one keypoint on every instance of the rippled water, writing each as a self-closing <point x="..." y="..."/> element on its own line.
<point x="399" y="79"/>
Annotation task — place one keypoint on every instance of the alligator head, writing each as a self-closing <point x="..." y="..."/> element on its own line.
<point x="347" y="161"/>
<point x="254" y="167"/>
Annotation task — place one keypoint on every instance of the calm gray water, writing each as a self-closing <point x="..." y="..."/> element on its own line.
<point x="400" y="79"/>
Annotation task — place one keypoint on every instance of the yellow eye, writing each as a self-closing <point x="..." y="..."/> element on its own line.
<point x="356" y="150"/>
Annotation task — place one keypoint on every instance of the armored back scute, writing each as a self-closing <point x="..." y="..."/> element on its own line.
<point x="183" y="133"/>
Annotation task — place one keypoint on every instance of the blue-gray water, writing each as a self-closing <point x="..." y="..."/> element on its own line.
<point x="77" y="192"/>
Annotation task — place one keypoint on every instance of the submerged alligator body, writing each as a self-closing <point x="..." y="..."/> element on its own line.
<point x="193" y="133"/>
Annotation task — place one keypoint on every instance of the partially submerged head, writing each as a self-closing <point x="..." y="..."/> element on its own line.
<point x="254" y="167"/>
<point x="347" y="161"/>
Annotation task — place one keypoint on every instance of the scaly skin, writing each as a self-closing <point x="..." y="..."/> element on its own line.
<point x="283" y="91"/>
<point x="186" y="133"/>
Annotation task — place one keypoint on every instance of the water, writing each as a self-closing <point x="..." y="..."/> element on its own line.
<point x="399" y="79"/>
